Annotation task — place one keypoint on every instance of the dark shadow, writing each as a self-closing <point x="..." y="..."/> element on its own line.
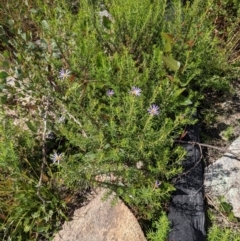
<point x="187" y="209"/>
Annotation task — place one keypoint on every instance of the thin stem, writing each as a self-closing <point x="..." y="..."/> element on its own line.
<point x="44" y="155"/>
<point x="209" y="146"/>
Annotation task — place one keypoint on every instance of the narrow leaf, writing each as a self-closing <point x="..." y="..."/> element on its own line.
<point x="167" y="47"/>
<point x="185" y="84"/>
<point x="186" y="102"/>
<point x="171" y="63"/>
<point x="167" y="37"/>
<point x="31" y="126"/>
<point x="178" y="92"/>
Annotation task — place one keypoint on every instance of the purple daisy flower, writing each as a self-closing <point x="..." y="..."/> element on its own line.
<point x="153" y="110"/>
<point x="64" y="74"/>
<point x="110" y="93"/>
<point x="135" y="91"/>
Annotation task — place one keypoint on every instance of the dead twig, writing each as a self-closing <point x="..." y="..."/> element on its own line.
<point x="209" y="146"/>
<point x="44" y="155"/>
<point x="200" y="145"/>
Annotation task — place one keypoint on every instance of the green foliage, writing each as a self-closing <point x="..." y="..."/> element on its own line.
<point x="227" y="230"/>
<point x="226" y="209"/>
<point x="219" y="234"/>
<point x="162" y="229"/>
<point x="23" y="214"/>
<point x="228" y="133"/>
<point x="148" y="54"/>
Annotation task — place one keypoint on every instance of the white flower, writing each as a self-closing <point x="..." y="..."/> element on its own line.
<point x="153" y="110"/>
<point x="110" y="93"/>
<point x="56" y="157"/>
<point x="64" y="74"/>
<point x="135" y="91"/>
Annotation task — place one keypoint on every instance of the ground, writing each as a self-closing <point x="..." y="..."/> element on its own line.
<point x="222" y="125"/>
<point x="221" y="129"/>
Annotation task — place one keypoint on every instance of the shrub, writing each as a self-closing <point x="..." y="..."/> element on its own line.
<point x="162" y="229"/>
<point x="114" y="84"/>
<point x="218" y="233"/>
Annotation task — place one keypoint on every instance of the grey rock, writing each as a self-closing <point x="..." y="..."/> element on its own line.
<point x="222" y="178"/>
<point x="102" y="221"/>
